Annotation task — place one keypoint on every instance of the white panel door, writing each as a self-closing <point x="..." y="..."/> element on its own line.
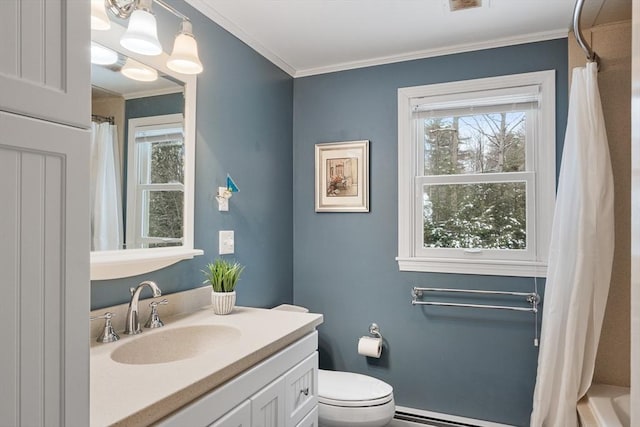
<point x="267" y="405"/>
<point x="44" y="260"/>
<point x="44" y="70"/>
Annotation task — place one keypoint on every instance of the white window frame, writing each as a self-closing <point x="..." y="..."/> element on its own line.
<point x="137" y="218"/>
<point x="539" y="176"/>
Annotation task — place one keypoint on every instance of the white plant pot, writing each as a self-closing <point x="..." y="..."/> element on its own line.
<point x="223" y="302"/>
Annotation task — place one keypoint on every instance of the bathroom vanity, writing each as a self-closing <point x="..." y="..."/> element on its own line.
<point x="253" y="367"/>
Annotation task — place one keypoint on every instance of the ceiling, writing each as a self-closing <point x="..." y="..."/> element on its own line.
<point x="307" y="37"/>
<point x="109" y="81"/>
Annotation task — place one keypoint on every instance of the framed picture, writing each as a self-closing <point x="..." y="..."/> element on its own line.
<point x="342" y="176"/>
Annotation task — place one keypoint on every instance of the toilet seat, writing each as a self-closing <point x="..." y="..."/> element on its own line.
<point x="355" y="403"/>
<point x="348" y="389"/>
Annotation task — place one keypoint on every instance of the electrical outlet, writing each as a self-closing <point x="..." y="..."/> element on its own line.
<point x="226" y="243"/>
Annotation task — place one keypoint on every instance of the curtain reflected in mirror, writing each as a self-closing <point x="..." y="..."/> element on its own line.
<point x="106" y="194"/>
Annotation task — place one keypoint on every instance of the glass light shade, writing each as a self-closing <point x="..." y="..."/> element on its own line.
<point x="137" y="71"/>
<point x="184" y="58"/>
<point x="99" y="18"/>
<point x="142" y="34"/>
<point x="101" y="55"/>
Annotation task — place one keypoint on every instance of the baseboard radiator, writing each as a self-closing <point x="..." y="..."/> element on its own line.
<point x="434" y="419"/>
<point x="429" y="421"/>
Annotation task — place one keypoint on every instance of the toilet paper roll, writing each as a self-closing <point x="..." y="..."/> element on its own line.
<point x="370" y="347"/>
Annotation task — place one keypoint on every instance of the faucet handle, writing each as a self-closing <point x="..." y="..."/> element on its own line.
<point x="157" y="303"/>
<point x="108" y="334"/>
<point x="154" y="319"/>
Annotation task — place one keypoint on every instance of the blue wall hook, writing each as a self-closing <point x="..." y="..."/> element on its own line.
<point x="231" y="186"/>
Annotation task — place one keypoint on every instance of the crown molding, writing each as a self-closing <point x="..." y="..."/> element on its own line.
<point x="208" y="10"/>
<point x="211" y="13"/>
<point x="430" y="53"/>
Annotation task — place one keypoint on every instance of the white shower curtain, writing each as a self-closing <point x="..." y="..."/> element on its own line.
<point x="106" y="193"/>
<point x="580" y="258"/>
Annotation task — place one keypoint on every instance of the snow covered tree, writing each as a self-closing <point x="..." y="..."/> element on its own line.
<point x="488" y="215"/>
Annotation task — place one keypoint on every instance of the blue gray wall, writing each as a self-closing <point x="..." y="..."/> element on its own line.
<point x="478" y="364"/>
<point x="257" y="124"/>
<point x="171" y="103"/>
<point x="244" y="125"/>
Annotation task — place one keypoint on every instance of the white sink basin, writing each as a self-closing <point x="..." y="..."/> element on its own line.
<point x="170" y="345"/>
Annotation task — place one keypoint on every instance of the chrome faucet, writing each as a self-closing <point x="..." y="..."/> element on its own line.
<point x="132" y="323"/>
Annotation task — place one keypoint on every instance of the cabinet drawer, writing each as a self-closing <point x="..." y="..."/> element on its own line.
<point x="311" y="420"/>
<point x="240" y="416"/>
<point x="301" y="390"/>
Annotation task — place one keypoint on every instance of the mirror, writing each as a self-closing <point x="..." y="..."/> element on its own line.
<point x="141" y="163"/>
<point x="137" y="160"/>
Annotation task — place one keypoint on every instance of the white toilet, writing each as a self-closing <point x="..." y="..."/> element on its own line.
<point x="347" y="399"/>
<point x="354" y="400"/>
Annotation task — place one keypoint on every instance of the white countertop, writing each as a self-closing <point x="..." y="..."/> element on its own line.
<point x="138" y="395"/>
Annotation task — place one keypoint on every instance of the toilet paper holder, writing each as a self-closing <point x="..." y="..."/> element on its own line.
<point x="371" y="346"/>
<point x="374" y="330"/>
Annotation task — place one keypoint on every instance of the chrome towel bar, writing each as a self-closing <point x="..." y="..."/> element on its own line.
<point x="530" y="297"/>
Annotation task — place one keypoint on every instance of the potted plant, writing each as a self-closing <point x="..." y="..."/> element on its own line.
<point x="223" y="276"/>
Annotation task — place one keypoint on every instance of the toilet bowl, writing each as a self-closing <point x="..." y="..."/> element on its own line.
<point x="355" y="400"/>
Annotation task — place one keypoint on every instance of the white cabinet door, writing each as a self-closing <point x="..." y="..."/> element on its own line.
<point x="311" y="420"/>
<point x="44" y="70"/>
<point x="44" y="260"/>
<point x="240" y="416"/>
<point x="267" y="406"/>
<point x="301" y="388"/>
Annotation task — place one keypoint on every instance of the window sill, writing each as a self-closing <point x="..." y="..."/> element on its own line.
<point x="465" y="266"/>
<point x="107" y="265"/>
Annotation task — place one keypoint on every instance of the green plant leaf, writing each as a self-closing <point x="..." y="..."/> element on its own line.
<point x="222" y="275"/>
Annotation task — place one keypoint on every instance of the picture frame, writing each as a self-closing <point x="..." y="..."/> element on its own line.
<point x="342" y="176"/>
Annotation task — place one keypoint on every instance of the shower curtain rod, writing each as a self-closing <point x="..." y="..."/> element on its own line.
<point x="102" y="119"/>
<point x="591" y="55"/>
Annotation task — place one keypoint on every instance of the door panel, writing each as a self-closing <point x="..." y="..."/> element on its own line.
<point x="44" y="71"/>
<point x="44" y="235"/>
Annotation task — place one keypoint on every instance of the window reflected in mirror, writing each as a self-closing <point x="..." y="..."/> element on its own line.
<point x="155" y="193"/>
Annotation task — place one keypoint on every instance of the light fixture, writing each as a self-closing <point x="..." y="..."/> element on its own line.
<point x="101" y="55"/>
<point x="99" y="18"/>
<point x="142" y="33"/>
<point x="138" y="71"/>
<point x="184" y="58"/>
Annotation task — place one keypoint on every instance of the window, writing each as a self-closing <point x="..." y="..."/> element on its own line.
<point x="155" y="182"/>
<point x="476" y="166"/>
